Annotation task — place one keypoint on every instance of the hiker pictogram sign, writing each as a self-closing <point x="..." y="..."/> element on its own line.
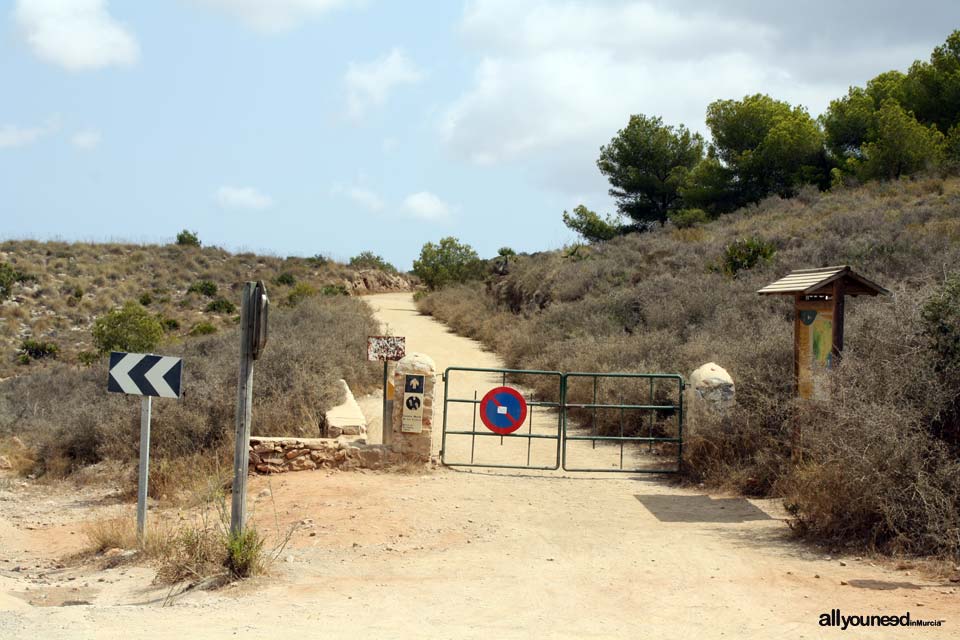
<point x="503" y="410"/>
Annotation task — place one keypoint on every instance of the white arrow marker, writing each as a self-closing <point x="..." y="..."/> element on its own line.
<point x="156" y="373"/>
<point x="121" y="373"/>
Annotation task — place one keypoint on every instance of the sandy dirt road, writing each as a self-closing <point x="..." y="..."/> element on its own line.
<point x="470" y="554"/>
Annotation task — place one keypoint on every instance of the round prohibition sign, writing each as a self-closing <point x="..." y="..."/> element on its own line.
<point x="503" y="410"/>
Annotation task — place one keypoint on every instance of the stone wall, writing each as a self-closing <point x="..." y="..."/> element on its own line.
<point x="279" y="455"/>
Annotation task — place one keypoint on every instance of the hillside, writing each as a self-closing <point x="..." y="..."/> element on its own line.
<point x="63" y="287"/>
<point x="880" y="459"/>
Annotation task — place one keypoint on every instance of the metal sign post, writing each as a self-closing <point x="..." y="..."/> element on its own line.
<point x="144" y="375"/>
<point x="387" y="349"/>
<point x="253" y="337"/>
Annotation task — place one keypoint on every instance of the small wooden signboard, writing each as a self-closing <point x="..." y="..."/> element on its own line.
<point x="818" y="319"/>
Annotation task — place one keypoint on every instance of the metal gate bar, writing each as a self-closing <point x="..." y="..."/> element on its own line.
<point x="474" y="433"/>
<point x="676" y="409"/>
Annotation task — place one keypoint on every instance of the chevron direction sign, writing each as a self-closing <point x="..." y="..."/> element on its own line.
<point x="141" y="374"/>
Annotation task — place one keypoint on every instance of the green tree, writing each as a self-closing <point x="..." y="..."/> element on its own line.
<point x="370" y="260"/>
<point x="901" y="144"/>
<point x="590" y="225"/>
<point x="645" y="163"/>
<point x="768" y="146"/>
<point x="932" y="89"/>
<point x="711" y="186"/>
<point x="851" y="121"/>
<point x="188" y="239"/>
<point x="447" y="262"/>
<point x="131" y="328"/>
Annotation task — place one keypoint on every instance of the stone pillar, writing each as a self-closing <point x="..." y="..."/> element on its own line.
<point x="414" y="382"/>
<point x="710" y="392"/>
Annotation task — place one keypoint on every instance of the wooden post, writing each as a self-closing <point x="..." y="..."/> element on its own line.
<point x="386" y="435"/>
<point x="241" y="454"/>
<point x="838" y="296"/>
<point x="143" y="479"/>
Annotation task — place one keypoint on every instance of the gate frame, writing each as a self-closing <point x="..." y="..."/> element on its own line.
<point x="678" y="408"/>
<point x="529" y="436"/>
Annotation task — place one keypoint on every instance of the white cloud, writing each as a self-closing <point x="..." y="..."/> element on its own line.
<point x="86" y="139"/>
<point x="75" y="34"/>
<point x="12" y="135"/>
<point x="426" y="205"/>
<point x="556" y="80"/>
<point x="229" y="197"/>
<point x="276" y="16"/>
<point x="370" y="83"/>
<point x="365" y="198"/>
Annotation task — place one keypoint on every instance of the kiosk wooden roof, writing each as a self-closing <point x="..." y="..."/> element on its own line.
<point x="812" y="282"/>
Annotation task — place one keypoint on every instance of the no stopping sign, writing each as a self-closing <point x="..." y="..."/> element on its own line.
<point x="503" y="410"/>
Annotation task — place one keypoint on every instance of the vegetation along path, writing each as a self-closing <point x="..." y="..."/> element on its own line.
<point x="482" y="554"/>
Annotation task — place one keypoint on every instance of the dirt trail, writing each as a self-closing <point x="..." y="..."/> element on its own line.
<point x="493" y="554"/>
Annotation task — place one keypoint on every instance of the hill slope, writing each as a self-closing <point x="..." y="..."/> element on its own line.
<point x="881" y="459"/>
<point x="63" y="287"/>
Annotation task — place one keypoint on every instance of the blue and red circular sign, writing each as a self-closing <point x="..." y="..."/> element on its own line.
<point x="503" y="410"/>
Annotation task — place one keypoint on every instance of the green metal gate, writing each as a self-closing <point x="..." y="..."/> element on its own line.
<point x="465" y="445"/>
<point x="640" y="409"/>
<point x="597" y="422"/>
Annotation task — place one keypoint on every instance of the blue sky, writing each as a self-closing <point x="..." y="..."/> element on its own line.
<point x="299" y="127"/>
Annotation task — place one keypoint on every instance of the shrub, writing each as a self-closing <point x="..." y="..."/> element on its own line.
<point x="745" y="254"/>
<point x="8" y="276"/>
<point x="204" y="288"/>
<point x="38" y="350"/>
<point x="686" y="218"/>
<point x="131" y="328"/>
<point x="170" y="324"/>
<point x="188" y="239"/>
<point x="146" y="299"/>
<point x="370" y="260"/>
<point x="300" y="292"/>
<point x="202" y="329"/>
<point x="245" y="553"/>
<point x="334" y="290"/>
<point x="87" y="358"/>
<point x="285" y="279"/>
<point x="221" y="305"/>
<point x="319" y="260"/>
<point x="590" y="226"/>
<point x="448" y="262"/>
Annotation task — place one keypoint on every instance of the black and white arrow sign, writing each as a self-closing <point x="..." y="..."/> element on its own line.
<point x="145" y="375"/>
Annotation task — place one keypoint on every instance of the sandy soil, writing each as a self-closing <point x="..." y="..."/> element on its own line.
<point x="464" y="554"/>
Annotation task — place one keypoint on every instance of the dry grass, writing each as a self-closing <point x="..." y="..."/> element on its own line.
<point x="121" y="533"/>
<point x="878" y="469"/>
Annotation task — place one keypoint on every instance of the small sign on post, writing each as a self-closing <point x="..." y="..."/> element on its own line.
<point x="386" y="349"/>
<point x="148" y="376"/>
<point x="254" y="318"/>
<point x="412" y="415"/>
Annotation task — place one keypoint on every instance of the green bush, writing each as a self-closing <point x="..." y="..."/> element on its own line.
<point x="170" y="324"/>
<point x="202" y="329"/>
<point x="245" y="553"/>
<point x="744" y="254"/>
<point x="204" y="288"/>
<point x="8" y="276"/>
<point x="221" y="305"/>
<point x="447" y="262"/>
<point x="370" y="260"/>
<point x="686" y="218"/>
<point x="37" y="349"/>
<point x="299" y="293"/>
<point x="318" y="260"/>
<point x="131" y="328"/>
<point x="87" y="358"/>
<point x="335" y="290"/>
<point x="146" y="299"/>
<point x="286" y="279"/>
<point x="188" y="239"/>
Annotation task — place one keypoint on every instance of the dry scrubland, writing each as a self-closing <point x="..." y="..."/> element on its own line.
<point x="65" y="286"/>
<point x="68" y="424"/>
<point x="881" y="462"/>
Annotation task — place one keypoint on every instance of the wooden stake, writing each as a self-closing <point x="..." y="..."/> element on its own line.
<point x="241" y="454"/>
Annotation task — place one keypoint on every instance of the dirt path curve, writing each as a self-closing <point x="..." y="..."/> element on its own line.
<point x="456" y="554"/>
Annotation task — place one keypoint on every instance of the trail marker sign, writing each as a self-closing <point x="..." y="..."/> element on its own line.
<point x="503" y="410"/>
<point x="383" y="348"/>
<point x="142" y="374"/>
<point x="412" y="417"/>
<point x="148" y="376"/>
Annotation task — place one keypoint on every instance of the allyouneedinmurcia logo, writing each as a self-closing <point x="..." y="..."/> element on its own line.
<point x="836" y="619"/>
